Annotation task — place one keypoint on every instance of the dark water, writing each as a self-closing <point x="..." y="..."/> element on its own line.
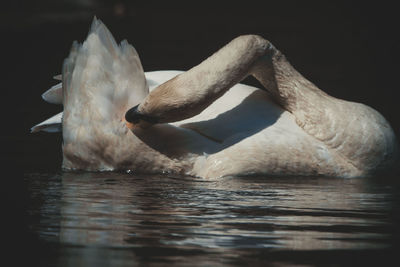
<point x="114" y="219"/>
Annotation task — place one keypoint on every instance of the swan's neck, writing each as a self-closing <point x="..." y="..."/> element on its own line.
<point x="191" y="92"/>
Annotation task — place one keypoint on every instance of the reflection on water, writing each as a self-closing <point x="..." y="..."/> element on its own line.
<point x="113" y="218"/>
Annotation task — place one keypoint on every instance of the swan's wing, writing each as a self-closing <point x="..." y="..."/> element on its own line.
<point x="51" y="125"/>
<point x="240" y="112"/>
<point x="155" y="78"/>
<point x="54" y="94"/>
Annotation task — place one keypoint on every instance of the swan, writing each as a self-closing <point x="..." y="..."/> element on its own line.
<point x="203" y="122"/>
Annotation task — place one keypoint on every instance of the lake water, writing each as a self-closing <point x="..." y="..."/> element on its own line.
<point x="118" y="219"/>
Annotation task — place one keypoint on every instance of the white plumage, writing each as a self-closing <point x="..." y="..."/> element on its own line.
<point x="242" y="132"/>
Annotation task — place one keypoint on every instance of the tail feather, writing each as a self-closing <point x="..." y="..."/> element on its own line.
<point x="100" y="30"/>
<point x="101" y="80"/>
<point x="68" y="68"/>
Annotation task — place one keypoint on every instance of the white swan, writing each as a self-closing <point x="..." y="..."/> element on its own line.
<point x="203" y="123"/>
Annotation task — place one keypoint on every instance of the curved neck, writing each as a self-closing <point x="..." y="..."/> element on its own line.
<point x="191" y="92"/>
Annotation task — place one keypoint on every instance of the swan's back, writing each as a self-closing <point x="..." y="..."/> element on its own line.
<point x="256" y="136"/>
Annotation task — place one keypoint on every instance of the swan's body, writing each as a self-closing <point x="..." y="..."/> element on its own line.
<point x="209" y="128"/>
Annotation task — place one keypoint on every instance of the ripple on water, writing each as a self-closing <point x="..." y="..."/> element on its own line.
<point x="226" y="220"/>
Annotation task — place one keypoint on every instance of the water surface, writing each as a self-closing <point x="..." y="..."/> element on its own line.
<point x="113" y="219"/>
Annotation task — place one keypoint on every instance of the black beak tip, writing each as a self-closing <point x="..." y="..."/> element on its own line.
<point x="132" y="115"/>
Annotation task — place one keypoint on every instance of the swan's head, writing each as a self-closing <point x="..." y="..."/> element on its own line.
<point x="136" y="119"/>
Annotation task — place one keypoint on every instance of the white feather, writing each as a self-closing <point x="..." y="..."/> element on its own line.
<point x="54" y="94"/>
<point x="51" y="125"/>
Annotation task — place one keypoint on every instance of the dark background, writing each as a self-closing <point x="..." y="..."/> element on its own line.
<point x="347" y="48"/>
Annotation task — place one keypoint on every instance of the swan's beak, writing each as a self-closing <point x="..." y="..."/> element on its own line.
<point x="135" y="119"/>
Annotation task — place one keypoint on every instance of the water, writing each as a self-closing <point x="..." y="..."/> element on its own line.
<point x="115" y="219"/>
